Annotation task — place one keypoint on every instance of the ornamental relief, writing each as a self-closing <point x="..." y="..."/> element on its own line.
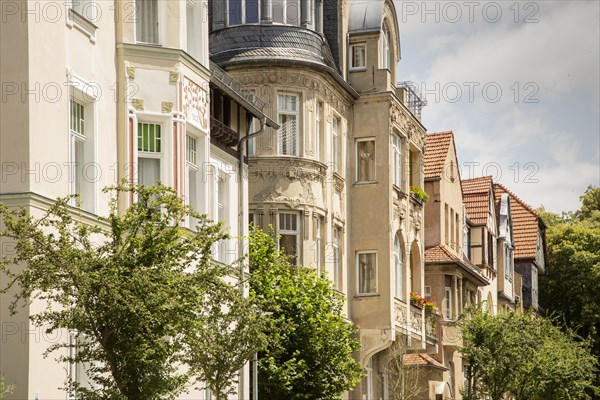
<point x="400" y="119"/>
<point x="400" y="314"/>
<point x="298" y="81"/>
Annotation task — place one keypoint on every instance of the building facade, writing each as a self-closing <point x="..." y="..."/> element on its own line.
<point x="106" y="91"/>
<point x="334" y="180"/>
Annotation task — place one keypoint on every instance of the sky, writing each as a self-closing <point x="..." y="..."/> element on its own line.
<point x="518" y="82"/>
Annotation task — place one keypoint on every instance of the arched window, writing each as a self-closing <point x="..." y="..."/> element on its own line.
<point x="398" y="269"/>
<point x="384" y="50"/>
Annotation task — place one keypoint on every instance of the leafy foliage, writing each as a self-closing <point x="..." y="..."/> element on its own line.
<point x="4" y="389"/>
<point x="138" y="289"/>
<point x="309" y="355"/>
<point x="524" y="357"/>
<point x="571" y="289"/>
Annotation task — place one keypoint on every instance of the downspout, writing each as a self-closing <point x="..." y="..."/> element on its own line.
<point x="241" y="148"/>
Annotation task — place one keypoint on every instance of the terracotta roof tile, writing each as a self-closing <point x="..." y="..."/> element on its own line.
<point x="424" y="360"/>
<point x="476" y="196"/>
<point x="436" y="151"/>
<point x="525" y="224"/>
<point x="439" y="253"/>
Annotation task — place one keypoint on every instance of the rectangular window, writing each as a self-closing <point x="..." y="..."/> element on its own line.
<point x="367" y="273"/>
<point x="318" y="109"/>
<point x="490" y="250"/>
<point x="336" y="257"/>
<point x="194" y="29"/>
<point x="427" y="293"/>
<point x="335" y="125"/>
<point x="146" y="17"/>
<point x="289" y="232"/>
<point x="448" y="303"/>
<point x="149" y="153"/>
<point x="252" y="11"/>
<point x="534" y="286"/>
<point x="397" y="148"/>
<point x="365" y="155"/>
<point x="288" y="106"/>
<point x="81" y="129"/>
<point x="86" y="9"/>
<point x="194" y="183"/>
<point x="292" y="12"/>
<point x="358" y="52"/>
<point x="318" y="242"/>
<point x="222" y="211"/>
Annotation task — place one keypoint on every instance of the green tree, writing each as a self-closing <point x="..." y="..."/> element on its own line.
<point x="136" y="289"/>
<point x="4" y="389"/>
<point x="571" y="289"/>
<point x="524" y="357"/>
<point x="309" y="355"/>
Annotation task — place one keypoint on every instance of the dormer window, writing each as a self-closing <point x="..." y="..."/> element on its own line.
<point x="384" y="50"/>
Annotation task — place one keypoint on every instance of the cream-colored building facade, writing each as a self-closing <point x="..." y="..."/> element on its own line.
<point x="334" y="181"/>
<point x="99" y="91"/>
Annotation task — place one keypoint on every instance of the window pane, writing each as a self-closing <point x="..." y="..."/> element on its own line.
<point x="235" y="12"/>
<point x="292" y="12"/>
<point x="149" y="137"/>
<point x="398" y="269"/>
<point x="147" y="21"/>
<point x="190" y="155"/>
<point x="148" y="171"/>
<point x="366" y="161"/>
<point x="77" y="118"/>
<point x="251" y="11"/>
<point x="288" y="133"/>
<point x="288" y="244"/>
<point x="278" y="11"/>
<point x="367" y="273"/>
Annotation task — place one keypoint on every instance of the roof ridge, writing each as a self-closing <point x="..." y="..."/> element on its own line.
<point x="511" y="194"/>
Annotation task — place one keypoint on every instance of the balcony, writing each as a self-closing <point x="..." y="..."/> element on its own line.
<point x="222" y="133"/>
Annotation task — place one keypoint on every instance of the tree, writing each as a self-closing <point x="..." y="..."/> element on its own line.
<point x="136" y="290"/>
<point x="4" y="389"/>
<point x="309" y="355"/>
<point x="404" y="382"/>
<point x="571" y="289"/>
<point x="524" y="357"/>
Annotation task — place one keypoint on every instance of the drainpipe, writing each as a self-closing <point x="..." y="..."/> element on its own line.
<point x="241" y="147"/>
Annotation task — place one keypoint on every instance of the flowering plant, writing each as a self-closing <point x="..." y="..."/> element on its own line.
<point x="430" y="305"/>
<point x="419" y="193"/>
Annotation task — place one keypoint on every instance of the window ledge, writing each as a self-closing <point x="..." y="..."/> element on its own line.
<point x="358" y="69"/>
<point x="365" y="183"/>
<point x="366" y="295"/>
<point x="82" y="24"/>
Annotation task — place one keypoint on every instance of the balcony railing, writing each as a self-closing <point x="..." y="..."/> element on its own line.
<point x="223" y="133"/>
<point x="416" y="319"/>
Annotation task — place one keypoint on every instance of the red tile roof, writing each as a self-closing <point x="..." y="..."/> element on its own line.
<point x="436" y="151"/>
<point x="525" y="224"/>
<point x="424" y="360"/>
<point x="476" y="196"/>
<point x="439" y="253"/>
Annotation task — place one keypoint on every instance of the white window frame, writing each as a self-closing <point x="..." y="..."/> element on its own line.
<point x="223" y="173"/>
<point x="194" y="29"/>
<point x="87" y="9"/>
<point x="318" y="129"/>
<point x="335" y="243"/>
<point x="427" y="293"/>
<point x="194" y="167"/>
<point x="155" y="155"/>
<point x="353" y="49"/>
<point x="336" y="122"/>
<point x="508" y="255"/>
<point x="358" y="160"/>
<point x="284" y="111"/>
<point x="160" y="21"/>
<point x="397" y="151"/>
<point x="290" y="232"/>
<point x="384" y="50"/>
<point x="318" y="230"/>
<point x="81" y="93"/>
<point x="359" y="275"/>
<point x="448" y="303"/>
<point x="398" y="269"/>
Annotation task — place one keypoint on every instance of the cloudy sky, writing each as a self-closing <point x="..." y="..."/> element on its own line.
<point x="518" y="83"/>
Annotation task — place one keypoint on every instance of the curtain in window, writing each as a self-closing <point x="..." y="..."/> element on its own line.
<point x="146" y="12"/>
